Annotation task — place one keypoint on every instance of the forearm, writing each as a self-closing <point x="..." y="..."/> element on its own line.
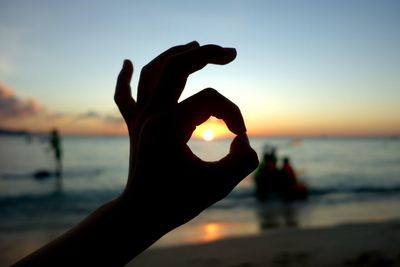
<point x="111" y="236"/>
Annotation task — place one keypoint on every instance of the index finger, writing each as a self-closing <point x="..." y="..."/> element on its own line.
<point x="196" y="109"/>
<point x="180" y="66"/>
<point x="150" y="74"/>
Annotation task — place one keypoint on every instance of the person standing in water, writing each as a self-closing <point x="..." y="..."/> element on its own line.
<point x="292" y="188"/>
<point x="55" y="143"/>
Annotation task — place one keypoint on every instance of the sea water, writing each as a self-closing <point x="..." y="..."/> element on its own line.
<point x="349" y="179"/>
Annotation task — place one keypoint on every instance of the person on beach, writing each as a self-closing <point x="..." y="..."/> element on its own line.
<point x="266" y="177"/>
<point x="54" y="140"/>
<point x="157" y="200"/>
<point x="292" y="188"/>
<point x="289" y="172"/>
<point x="55" y="145"/>
<point x="271" y="181"/>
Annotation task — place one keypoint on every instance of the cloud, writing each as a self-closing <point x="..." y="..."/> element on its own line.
<point x="11" y="106"/>
<point x="56" y="115"/>
<point x="88" y="115"/>
<point x="108" y="118"/>
<point x="113" y="119"/>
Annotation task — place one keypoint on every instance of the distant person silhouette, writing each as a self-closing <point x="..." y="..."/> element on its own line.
<point x="266" y="177"/>
<point x="292" y="188"/>
<point x="273" y="182"/>
<point x="288" y="171"/>
<point x="157" y="200"/>
<point x="54" y="141"/>
<point x="55" y="144"/>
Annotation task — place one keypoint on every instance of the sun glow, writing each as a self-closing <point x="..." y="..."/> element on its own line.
<point x="212" y="129"/>
<point x="208" y="135"/>
<point x="212" y="232"/>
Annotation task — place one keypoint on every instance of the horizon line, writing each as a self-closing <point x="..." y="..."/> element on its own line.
<point x="12" y="132"/>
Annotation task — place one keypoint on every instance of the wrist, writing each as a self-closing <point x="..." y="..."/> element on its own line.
<point x="142" y="217"/>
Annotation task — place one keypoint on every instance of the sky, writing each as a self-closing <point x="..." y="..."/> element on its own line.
<point x="304" y="68"/>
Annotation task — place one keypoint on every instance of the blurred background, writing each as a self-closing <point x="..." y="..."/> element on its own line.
<point x="317" y="82"/>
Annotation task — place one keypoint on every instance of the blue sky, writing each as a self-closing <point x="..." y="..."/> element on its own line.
<point x="303" y="67"/>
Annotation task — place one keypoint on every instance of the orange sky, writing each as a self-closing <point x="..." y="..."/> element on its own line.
<point x="71" y="125"/>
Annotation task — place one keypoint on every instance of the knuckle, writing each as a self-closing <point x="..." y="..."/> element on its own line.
<point x="235" y="108"/>
<point x="145" y="69"/>
<point x="211" y="93"/>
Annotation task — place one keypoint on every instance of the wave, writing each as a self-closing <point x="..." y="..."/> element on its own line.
<point x="65" y="208"/>
<point x="93" y="197"/>
<point x="83" y="202"/>
<point x="321" y="191"/>
<point x="42" y="174"/>
<point x="355" y="190"/>
<point x="57" y="202"/>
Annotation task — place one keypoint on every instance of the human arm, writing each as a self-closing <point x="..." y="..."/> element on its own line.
<point x="158" y="198"/>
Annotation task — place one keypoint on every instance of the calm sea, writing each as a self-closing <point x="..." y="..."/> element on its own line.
<point x="350" y="180"/>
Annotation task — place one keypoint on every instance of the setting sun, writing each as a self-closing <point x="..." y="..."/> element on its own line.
<point x="208" y="135"/>
<point x="212" y="129"/>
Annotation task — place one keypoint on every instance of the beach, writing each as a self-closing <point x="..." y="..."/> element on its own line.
<point x="362" y="244"/>
<point x="357" y="244"/>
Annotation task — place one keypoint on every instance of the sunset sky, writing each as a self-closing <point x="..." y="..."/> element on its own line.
<point x="303" y="67"/>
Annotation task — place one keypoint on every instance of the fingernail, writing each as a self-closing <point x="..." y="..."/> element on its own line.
<point x="230" y="50"/>
<point x="193" y="43"/>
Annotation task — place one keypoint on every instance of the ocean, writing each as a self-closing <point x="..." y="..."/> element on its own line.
<point x="349" y="180"/>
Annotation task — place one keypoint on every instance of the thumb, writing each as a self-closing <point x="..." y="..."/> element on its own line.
<point x="235" y="166"/>
<point x="123" y="97"/>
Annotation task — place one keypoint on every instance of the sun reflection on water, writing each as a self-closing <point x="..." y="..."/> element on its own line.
<point x="212" y="232"/>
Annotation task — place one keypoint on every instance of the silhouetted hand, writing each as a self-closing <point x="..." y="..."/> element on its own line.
<point x="167" y="184"/>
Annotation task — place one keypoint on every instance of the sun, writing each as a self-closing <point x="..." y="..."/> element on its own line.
<point x="212" y="129"/>
<point x="208" y="135"/>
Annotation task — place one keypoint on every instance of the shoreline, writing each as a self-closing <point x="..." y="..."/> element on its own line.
<point x="356" y="244"/>
<point x="351" y="244"/>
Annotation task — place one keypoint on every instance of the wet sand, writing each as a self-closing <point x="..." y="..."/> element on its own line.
<point x="366" y="244"/>
<point x="361" y="244"/>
